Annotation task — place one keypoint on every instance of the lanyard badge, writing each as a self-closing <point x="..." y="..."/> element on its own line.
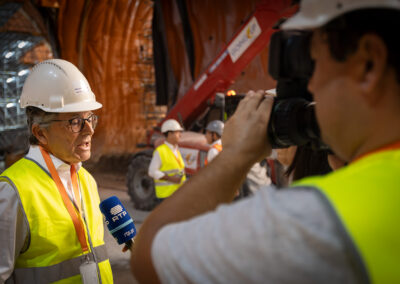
<point x="88" y="271"/>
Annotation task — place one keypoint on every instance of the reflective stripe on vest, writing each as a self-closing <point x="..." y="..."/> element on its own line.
<point x="56" y="272"/>
<point x="170" y="165"/>
<point x="366" y="198"/>
<point x="217" y="147"/>
<point x="53" y="239"/>
<point x="165" y="182"/>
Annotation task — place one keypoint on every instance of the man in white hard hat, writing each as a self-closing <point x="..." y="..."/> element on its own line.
<point x="167" y="167"/>
<point x="51" y="226"/>
<point x="214" y="132"/>
<point x="339" y="228"/>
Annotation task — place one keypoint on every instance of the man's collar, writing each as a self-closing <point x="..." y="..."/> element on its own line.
<point x="170" y="145"/>
<point x="35" y="154"/>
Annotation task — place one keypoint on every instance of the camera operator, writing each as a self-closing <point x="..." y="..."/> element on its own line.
<point x="339" y="228"/>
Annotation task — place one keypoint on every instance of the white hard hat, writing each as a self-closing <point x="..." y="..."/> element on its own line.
<point x="171" y="125"/>
<point x="216" y="126"/>
<point x="56" y="85"/>
<point x="316" y="13"/>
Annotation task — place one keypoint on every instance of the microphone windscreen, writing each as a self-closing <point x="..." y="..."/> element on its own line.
<point x="117" y="219"/>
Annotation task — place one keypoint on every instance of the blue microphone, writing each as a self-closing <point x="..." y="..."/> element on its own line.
<point x="118" y="221"/>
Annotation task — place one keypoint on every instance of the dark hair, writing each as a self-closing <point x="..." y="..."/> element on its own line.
<point x="38" y="116"/>
<point x="308" y="162"/>
<point x="343" y="33"/>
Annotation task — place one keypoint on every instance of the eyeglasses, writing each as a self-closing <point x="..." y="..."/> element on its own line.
<point x="78" y="123"/>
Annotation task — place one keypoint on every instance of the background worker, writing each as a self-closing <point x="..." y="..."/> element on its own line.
<point x="214" y="132"/>
<point x="338" y="228"/>
<point x="51" y="226"/>
<point x="167" y="167"/>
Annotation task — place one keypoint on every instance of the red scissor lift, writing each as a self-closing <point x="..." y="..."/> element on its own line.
<point x="249" y="41"/>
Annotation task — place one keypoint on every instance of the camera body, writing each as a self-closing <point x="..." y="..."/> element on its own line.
<point x="293" y="120"/>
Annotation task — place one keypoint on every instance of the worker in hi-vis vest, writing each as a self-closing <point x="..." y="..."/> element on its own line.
<point x="214" y="132"/>
<point x="51" y="225"/>
<point x="167" y="167"/>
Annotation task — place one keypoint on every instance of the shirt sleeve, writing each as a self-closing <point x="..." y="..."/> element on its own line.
<point x="14" y="229"/>
<point x="211" y="154"/>
<point x="274" y="236"/>
<point x="155" y="165"/>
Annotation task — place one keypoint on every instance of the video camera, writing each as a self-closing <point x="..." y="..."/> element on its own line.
<point x="292" y="119"/>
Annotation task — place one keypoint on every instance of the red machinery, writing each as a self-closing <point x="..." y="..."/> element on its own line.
<point x="248" y="42"/>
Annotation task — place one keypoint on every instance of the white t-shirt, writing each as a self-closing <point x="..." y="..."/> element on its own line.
<point x="274" y="236"/>
<point x="212" y="153"/>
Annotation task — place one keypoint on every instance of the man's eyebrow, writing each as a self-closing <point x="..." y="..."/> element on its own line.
<point x="79" y="116"/>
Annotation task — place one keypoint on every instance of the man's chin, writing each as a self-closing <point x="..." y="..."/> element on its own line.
<point x="83" y="157"/>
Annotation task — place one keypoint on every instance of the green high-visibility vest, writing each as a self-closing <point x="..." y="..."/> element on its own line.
<point x="54" y="253"/>
<point x="366" y="198"/>
<point x="170" y="165"/>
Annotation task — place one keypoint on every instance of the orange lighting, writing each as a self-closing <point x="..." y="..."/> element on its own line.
<point x="231" y="93"/>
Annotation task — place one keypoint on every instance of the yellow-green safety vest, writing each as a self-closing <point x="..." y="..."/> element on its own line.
<point x="170" y="165"/>
<point x="54" y="253"/>
<point x="366" y="199"/>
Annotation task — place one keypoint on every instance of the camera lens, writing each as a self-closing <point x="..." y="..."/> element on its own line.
<point x="292" y="123"/>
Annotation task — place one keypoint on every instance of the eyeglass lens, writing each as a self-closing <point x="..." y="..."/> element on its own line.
<point x="77" y="124"/>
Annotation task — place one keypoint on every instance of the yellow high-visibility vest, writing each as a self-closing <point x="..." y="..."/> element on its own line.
<point x="366" y="199"/>
<point x="54" y="253"/>
<point x="170" y="165"/>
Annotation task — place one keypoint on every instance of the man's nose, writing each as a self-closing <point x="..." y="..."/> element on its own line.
<point x="87" y="128"/>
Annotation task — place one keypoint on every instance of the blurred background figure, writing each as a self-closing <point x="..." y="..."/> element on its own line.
<point x="167" y="167"/>
<point x="214" y="132"/>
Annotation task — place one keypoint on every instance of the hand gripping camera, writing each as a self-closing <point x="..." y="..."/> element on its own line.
<point x="292" y="119"/>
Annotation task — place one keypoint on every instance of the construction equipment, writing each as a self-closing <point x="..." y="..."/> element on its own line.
<point x="207" y="92"/>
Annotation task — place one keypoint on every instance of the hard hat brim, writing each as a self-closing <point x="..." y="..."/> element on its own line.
<point x="299" y="22"/>
<point x="173" y="130"/>
<point x="76" y="107"/>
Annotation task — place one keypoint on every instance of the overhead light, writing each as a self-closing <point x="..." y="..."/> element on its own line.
<point x="231" y="93"/>
<point x="22" y="44"/>
<point x="9" y="54"/>
<point x="10" y="105"/>
<point x="11" y="79"/>
<point x="23" y="72"/>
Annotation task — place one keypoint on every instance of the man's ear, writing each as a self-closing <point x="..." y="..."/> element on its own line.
<point x="40" y="134"/>
<point x="373" y="57"/>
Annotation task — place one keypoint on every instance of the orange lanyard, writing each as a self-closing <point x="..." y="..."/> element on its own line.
<point x="392" y="146"/>
<point x="78" y="224"/>
<point x="176" y="158"/>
